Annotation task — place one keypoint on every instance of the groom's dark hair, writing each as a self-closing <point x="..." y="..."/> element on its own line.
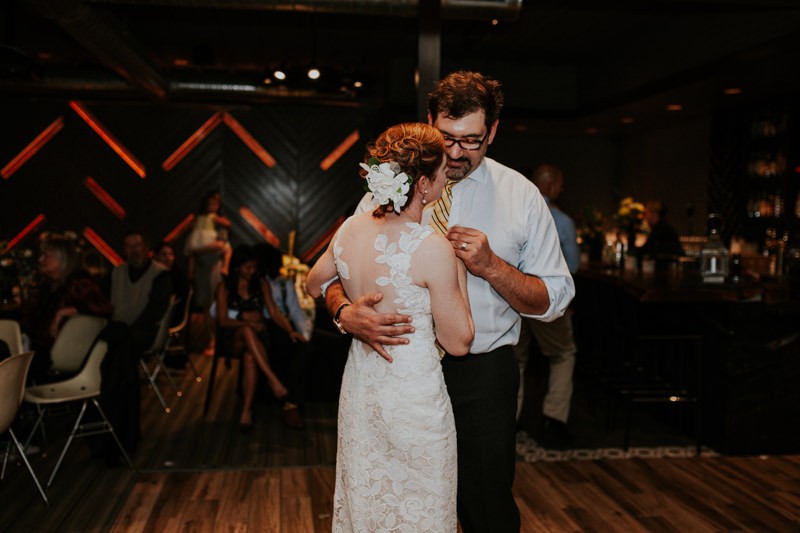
<point x="462" y="93"/>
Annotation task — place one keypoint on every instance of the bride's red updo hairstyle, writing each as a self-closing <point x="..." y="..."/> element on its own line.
<point x="417" y="147"/>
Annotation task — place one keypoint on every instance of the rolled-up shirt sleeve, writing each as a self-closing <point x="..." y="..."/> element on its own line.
<point x="541" y="256"/>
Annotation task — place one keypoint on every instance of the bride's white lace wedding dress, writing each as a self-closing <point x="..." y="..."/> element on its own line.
<point x="396" y="456"/>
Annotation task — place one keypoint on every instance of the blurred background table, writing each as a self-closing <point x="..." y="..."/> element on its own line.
<point x="750" y="357"/>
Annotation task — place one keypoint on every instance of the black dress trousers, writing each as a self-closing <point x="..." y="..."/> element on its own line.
<point x="483" y="391"/>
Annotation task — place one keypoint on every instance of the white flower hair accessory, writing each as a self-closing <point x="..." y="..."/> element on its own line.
<point x="387" y="183"/>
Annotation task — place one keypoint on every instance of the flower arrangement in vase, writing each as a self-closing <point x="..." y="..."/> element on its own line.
<point x="629" y="218"/>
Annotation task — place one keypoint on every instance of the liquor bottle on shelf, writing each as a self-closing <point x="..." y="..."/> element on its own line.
<point x="777" y="204"/>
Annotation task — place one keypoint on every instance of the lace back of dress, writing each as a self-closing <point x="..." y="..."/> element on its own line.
<point x="386" y="263"/>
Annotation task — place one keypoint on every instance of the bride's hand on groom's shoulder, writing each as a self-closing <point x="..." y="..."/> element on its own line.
<point x="377" y="330"/>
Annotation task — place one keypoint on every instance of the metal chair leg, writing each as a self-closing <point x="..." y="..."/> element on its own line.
<point x="113" y="434"/>
<point x="163" y="367"/>
<point x="151" y="380"/>
<point x="210" y="389"/>
<point x="21" y="452"/>
<point x="69" y="441"/>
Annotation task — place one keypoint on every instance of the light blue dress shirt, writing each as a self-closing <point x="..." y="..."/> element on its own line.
<point x="513" y="214"/>
<point x="290" y="306"/>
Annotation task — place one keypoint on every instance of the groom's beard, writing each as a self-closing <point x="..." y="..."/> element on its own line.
<point x="460" y="172"/>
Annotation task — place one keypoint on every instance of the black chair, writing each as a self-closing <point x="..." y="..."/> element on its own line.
<point x="220" y="352"/>
<point x="659" y="361"/>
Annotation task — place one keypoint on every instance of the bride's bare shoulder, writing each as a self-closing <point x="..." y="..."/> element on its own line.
<point x="436" y="245"/>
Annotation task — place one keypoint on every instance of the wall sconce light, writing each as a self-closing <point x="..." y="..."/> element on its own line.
<point x="313" y="73"/>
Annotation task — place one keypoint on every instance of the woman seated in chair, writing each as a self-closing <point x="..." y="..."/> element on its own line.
<point x="64" y="289"/>
<point x="241" y="298"/>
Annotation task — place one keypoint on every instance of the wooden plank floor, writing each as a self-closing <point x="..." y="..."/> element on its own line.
<point x="198" y="473"/>
<point x="637" y="495"/>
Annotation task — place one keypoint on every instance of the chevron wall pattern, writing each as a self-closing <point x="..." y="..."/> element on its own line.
<point x="101" y="168"/>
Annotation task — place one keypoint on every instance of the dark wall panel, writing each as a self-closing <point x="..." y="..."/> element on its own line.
<point x="295" y="194"/>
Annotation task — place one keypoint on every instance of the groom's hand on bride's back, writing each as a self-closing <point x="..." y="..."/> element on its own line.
<point x="377" y="330"/>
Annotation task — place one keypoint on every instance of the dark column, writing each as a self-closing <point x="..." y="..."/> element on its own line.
<point x="430" y="52"/>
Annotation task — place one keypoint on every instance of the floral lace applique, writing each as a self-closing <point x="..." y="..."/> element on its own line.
<point x="396" y="441"/>
<point x="341" y="266"/>
<point x="397" y="256"/>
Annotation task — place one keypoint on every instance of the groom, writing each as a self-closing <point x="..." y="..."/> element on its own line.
<point x="500" y="226"/>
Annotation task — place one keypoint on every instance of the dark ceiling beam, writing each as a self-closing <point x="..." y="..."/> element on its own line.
<point x="664" y="7"/>
<point x="429" y="55"/>
<point x="645" y="69"/>
<point x="742" y="61"/>
<point x="503" y="10"/>
<point x="106" y="40"/>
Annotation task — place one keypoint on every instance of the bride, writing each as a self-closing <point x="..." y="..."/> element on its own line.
<point x="396" y="455"/>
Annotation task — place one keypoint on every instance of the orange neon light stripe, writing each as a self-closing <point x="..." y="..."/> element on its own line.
<point x="248" y="140"/>
<point x="35" y="145"/>
<point x="339" y="151"/>
<point x="259" y="226"/>
<point x="193" y="140"/>
<point x="32" y="225"/>
<point x="109" y="138"/>
<point x="180" y="228"/>
<point x="104" y="197"/>
<point x="102" y="246"/>
<point x="322" y="242"/>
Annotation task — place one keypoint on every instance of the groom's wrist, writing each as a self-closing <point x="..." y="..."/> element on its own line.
<point x="336" y="318"/>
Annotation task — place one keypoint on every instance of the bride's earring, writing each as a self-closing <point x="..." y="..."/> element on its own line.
<point x="424" y="200"/>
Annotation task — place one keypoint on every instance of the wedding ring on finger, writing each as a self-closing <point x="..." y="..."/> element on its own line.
<point x="463" y="246"/>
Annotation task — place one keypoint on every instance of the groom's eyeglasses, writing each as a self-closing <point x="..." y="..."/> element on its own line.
<point x="465" y="144"/>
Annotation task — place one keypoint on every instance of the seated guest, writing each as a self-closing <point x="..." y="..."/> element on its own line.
<point x="165" y="256"/>
<point x="140" y="291"/>
<point x="291" y="354"/>
<point x="63" y="290"/>
<point x="241" y="299"/>
<point x="662" y="243"/>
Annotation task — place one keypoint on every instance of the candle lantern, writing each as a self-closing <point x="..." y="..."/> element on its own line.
<point x="714" y="255"/>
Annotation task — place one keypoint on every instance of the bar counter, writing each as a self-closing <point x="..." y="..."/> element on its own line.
<point x="749" y="373"/>
<point x="687" y="286"/>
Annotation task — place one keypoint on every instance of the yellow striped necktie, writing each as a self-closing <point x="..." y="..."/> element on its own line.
<point x="439" y="217"/>
<point x="441" y="209"/>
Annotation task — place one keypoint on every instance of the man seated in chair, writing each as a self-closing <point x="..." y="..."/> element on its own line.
<point x="140" y="291"/>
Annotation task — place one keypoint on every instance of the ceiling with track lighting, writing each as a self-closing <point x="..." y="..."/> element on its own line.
<point x="569" y="62"/>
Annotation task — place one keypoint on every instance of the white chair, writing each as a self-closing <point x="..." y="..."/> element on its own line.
<point x="84" y="386"/>
<point x="11" y="333"/>
<point x="157" y="352"/>
<point x="72" y="344"/>
<point x="71" y="348"/>
<point x="13" y="373"/>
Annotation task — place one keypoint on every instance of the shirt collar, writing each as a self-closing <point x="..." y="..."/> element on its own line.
<point x="480" y="174"/>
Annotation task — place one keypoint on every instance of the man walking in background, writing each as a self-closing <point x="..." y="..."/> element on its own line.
<point x="555" y="339"/>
